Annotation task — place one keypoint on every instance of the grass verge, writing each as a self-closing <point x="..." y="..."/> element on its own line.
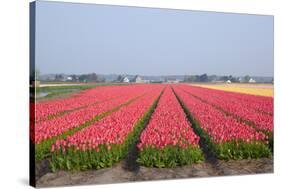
<point x="64" y="91"/>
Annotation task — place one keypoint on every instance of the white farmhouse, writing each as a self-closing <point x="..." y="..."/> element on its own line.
<point x="252" y="80"/>
<point x="228" y="81"/>
<point x="69" y="78"/>
<point x="138" y="79"/>
<point x="126" y="80"/>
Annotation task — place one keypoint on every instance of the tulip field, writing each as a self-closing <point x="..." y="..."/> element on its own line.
<point x="169" y="139"/>
<point x="168" y="124"/>
<point x="229" y="138"/>
<point x="254" y="89"/>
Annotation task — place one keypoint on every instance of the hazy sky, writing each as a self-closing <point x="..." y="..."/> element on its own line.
<point x="84" y="38"/>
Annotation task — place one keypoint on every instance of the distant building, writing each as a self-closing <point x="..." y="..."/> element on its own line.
<point x="125" y="80"/>
<point x="139" y="79"/>
<point x="228" y="81"/>
<point x="240" y="79"/>
<point x="69" y="78"/>
<point x="173" y="81"/>
<point x="251" y="80"/>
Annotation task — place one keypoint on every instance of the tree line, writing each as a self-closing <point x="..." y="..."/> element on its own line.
<point x="91" y="77"/>
<point x="209" y="78"/>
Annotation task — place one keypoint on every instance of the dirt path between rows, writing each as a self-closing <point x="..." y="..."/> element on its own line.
<point x="120" y="172"/>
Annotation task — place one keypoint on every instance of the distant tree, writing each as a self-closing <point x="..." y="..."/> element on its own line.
<point x="189" y="78"/>
<point x="82" y="78"/>
<point x="58" y="77"/>
<point x="196" y="78"/>
<point x="224" y="78"/>
<point x="92" y="77"/>
<point x="192" y="78"/>
<point x="212" y="78"/>
<point x="233" y="79"/>
<point x="119" y="78"/>
<point x="247" y="78"/>
<point x="101" y="79"/>
<point x="74" y="77"/>
<point x="203" y="78"/>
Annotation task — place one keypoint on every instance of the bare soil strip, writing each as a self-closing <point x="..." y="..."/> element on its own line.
<point x="117" y="173"/>
<point x="130" y="162"/>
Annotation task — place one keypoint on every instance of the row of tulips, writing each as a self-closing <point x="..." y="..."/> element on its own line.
<point x="226" y="137"/>
<point x="106" y="141"/>
<point x="168" y="140"/>
<point x="236" y="108"/>
<point x="50" y="128"/>
<point x="47" y="132"/>
<point x="48" y="109"/>
<point x="261" y="104"/>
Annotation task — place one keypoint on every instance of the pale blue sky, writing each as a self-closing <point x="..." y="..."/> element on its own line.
<point x="83" y="38"/>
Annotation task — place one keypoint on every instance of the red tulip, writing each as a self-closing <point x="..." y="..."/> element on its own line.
<point x="168" y="125"/>
<point x="114" y="128"/>
<point x="255" y="109"/>
<point x="54" y="127"/>
<point x="217" y="124"/>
